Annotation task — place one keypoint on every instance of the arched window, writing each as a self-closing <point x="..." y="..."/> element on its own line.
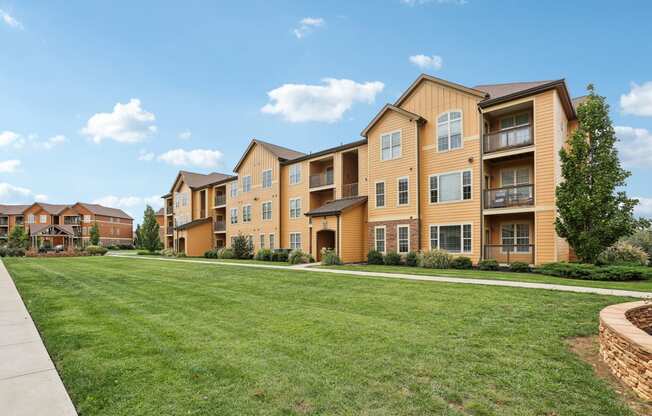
<point x="449" y="131"/>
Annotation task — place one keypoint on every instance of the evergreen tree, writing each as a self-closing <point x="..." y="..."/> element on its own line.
<point x="94" y="234"/>
<point x="242" y="247"/>
<point x="18" y="238"/>
<point x="149" y="232"/>
<point x="593" y="212"/>
<point x="138" y="239"/>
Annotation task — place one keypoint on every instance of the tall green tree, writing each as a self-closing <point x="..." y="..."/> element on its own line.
<point x="138" y="239"/>
<point x="18" y="238"/>
<point x="94" y="234"/>
<point x="149" y="232"/>
<point x="594" y="211"/>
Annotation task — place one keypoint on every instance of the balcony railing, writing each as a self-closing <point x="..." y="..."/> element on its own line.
<point x="350" y="190"/>
<point x="508" y="139"/>
<point x="321" y="179"/>
<point x="220" y="200"/>
<point x="508" y="253"/>
<point x="169" y="210"/>
<point x="170" y="230"/>
<point x="219" y="226"/>
<point x="509" y="196"/>
<point x="71" y="220"/>
<point x="20" y="221"/>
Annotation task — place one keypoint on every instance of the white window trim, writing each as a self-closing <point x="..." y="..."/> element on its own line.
<point x="269" y="238"/>
<point x="398" y="180"/>
<point x="300" y="208"/>
<point x="262" y="211"/>
<point x="298" y="165"/>
<point x="514" y="115"/>
<point x="384" y="227"/>
<point x="40" y="219"/>
<point x="300" y="242"/>
<point x="514" y="169"/>
<point x="449" y="130"/>
<point x="400" y="153"/>
<point x="250" y="184"/>
<point x="398" y="240"/>
<point x="262" y="179"/>
<point x="461" y="172"/>
<point x="461" y="225"/>
<point x="261" y="239"/>
<point x="384" y="194"/>
<point x="250" y="213"/>
<point x="231" y="216"/>
<point x="529" y="237"/>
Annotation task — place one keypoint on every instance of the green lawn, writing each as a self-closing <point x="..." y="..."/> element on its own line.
<point x="136" y="337"/>
<point x="642" y="285"/>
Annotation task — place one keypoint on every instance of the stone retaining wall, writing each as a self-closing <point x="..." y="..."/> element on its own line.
<point x="626" y="347"/>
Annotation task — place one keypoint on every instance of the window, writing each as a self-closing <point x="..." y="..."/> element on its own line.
<point x="234" y="215"/>
<point x="267" y="210"/>
<point x="380" y="194"/>
<point x="246" y="184"/>
<point x="43" y="219"/>
<point x="449" y="131"/>
<point x="379" y="239"/>
<point x="510" y="134"/>
<point x="267" y="179"/>
<point x="452" y="238"/>
<point x="295" y="174"/>
<point x="271" y="242"/>
<point x="246" y="213"/>
<point x="449" y="187"/>
<point x="515" y="176"/>
<point x="30" y="219"/>
<point x="403" y="194"/>
<point x="403" y="232"/>
<point x="87" y="218"/>
<point x="295" y="208"/>
<point x="514" y="120"/>
<point x="262" y="241"/>
<point x="390" y="146"/>
<point x="234" y="189"/>
<point x="295" y="241"/>
<point x="515" y="237"/>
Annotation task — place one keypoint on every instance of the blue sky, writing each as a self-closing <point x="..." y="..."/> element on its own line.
<point x="106" y="101"/>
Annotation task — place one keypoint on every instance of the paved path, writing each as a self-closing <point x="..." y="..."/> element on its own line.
<point x="29" y="383"/>
<point x="443" y="279"/>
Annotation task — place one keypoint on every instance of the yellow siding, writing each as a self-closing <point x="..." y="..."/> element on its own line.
<point x="299" y="190"/>
<point x="353" y="234"/>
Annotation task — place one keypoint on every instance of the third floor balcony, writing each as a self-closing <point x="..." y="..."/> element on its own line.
<point x="219" y="226"/>
<point x="322" y="179"/>
<point x="220" y="200"/>
<point x="510" y="138"/>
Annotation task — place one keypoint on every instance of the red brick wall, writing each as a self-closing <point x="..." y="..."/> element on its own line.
<point x="391" y="243"/>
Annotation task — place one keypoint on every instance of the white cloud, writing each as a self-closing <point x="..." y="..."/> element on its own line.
<point x="51" y="142"/>
<point x="128" y="123"/>
<point x="427" y="62"/>
<point x="10" y="20"/>
<point x="198" y="157"/>
<point x="11" y="194"/>
<point x="185" y="135"/>
<point x="132" y="205"/>
<point x="8" y="137"/>
<point x="307" y="25"/>
<point x="644" y="207"/>
<point x="422" y="2"/>
<point x="638" y="101"/>
<point x="145" y="155"/>
<point x="9" y="166"/>
<point x="634" y="146"/>
<point x="326" y="103"/>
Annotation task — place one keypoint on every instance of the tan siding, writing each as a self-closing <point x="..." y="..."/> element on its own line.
<point x="300" y="190"/>
<point x="353" y="231"/>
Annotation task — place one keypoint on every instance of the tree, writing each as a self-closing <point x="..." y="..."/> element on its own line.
<point x="138" y="240"/>
<point x="149" y="232"/>
<point x="94" y="234"/>
<point x="242" y="247"/>
<point x="18" y="238"/>
<point x="593" y="212"/>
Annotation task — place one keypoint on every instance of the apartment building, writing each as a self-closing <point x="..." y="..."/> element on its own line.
<point x="470" y="170"/>
<point x="68" y="225"/>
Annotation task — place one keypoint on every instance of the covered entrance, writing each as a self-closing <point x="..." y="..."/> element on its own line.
<point x="325" y="240"/>
<point x="49" y="236"/>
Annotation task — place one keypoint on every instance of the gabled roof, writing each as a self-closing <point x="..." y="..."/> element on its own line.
<point x="501" y="90"/>
<point x="52" y="209"/>
<point x="426" y="77"/>
<point x="389" y="107"/>
<point x="35" y="229"/>
<point x="336" y="207"/>
<point x="327" y="151"/>
<point x="160" y="212"/>
<point x="105" y="211"/>
<point x="193" y="223"/>
<point x="13" y="209"/>
<point x="200" y="180"/>
<point x="282" y="153"/>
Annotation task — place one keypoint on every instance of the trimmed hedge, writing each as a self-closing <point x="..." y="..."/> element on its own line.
<point x="519" y="266"/>
<point x="591" y="272"/>
<point x="96" y="250"/>
<point x="12" y="252"/>
<point x="374" y="257"/>
<point x="412" y="259"/>
<point x="488" y="265"/>
<point x="392" y="258"/>
<point x="461" y="262"/>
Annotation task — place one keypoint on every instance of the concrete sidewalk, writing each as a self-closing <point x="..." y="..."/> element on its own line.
<point x="442" y="279"/>
<point x="29" y="382"/>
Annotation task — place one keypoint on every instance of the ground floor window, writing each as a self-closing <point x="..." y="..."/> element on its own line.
<point x="403" y="232"/>
<point x="262" y="241"/>
<point x="295" y="241"/>
<point x="379" y="237"/>
<point x="271" y="242"/>
<point x="515" y="237"/>
<point x="453" y="238"/>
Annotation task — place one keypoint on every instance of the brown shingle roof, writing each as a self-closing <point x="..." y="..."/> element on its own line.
<point x="160" y="212"/>
<point x="34" y="229"/>
<point x="106" y="211"/>
<point x="337" y="206"/>
<point x="388" y="107"/>
<point x="282" y="153"/>
<point x="13" y="209"/>
<point x="193" y="223"/>
<point x="53" y="209"/>
<point x="501" y="90"/>
<point x="199" y="180"/>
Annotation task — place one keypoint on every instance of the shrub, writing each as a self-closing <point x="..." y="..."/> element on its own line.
<point x="12" y="252"/>
<point x="280" y="254"/>
<point x="488" y="265"/>
<point x="264" y="254"/>
<point x="392" y="258"/>
<point x="126" y="246"/>
<point x="436" y="259"/>
<point x="461" y="262"/>
<point x="211" y="254"/>
<point x="181" y="254"/>
<point x="112" y="247"/>
<point x="623" y="253"/>
<point x="519" y="266"/>
<point x="412" y="259"/>
<point x="642" y="239"/>
<point x="168" y="252"/>
<point x="299" y="257"/>
<point x="242" y="247"/>
<point x="329" y="257"/>
<point x="591" y="272"/>
<point x="94" y="250"/>
<point x="148" y="253"/>
<point x="374" y="257"/>
<point x="225" y="253"/>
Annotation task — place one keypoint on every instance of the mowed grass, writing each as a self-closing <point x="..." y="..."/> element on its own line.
<point x="147" y="337"/>
<point x="638" y="285"/>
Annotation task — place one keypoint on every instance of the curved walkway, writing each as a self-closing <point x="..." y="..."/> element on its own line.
<point x="29" y="382"/>
<point x="442" y="279"/>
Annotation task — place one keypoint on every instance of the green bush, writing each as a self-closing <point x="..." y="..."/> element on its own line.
<point x="642" y="239"/>
<point x="225" y="254"/>
<point x="12" y="251"/>
<point x="264" y="254"/>
<point x="412" y="259"/>
<point x="436" y="259"/>
<point x="168" y="252"/>
<point x="519" y="266"/>
<point x="211" y="254"/>
<point x="623" y="253"/>
<point x="374" y="257"/>
<point x="95" y="250"/>
<point x="392" y="258"/>
<point x="461" y="262"/>
<point x="299" y="257"/>
<point x="280" y="254"/>
<point x="329" y="257"/>
<point x="242" y="247"/>
<point x="181" y="254"/>
<point x="488" y="265"/>
<point x="148" y="253"/>
<point x="591" y="272"/>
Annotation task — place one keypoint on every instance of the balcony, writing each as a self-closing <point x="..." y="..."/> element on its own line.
<point x="321" y="179"/>
<point x="509" y="253"/>
<point x="71" y="220"/>
<point x="509" y="196"/>
<point x="4" y="221"/>
<point x="219" y="226"/>
<point x="350" y="190"/>
<point x="507" y="139"/>
<point x="169" y="230"/>
<point x="169" y="210"/>
<point x="220" y="200"/>
<point x="20" y="220"/>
